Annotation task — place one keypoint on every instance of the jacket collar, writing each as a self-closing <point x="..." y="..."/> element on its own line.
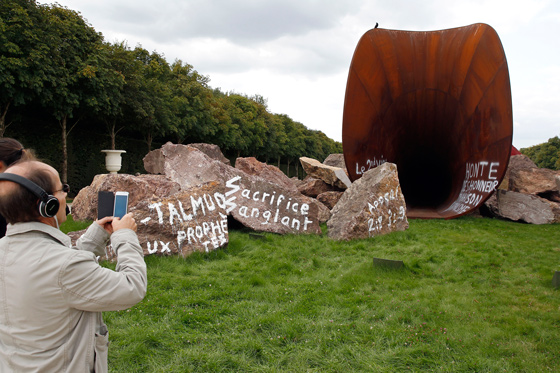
<point x="33" y="226"/>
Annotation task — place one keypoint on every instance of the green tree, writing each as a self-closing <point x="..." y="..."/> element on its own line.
<point x="259" y="129"/>
<point x="192" y="104"/>
<point x="23" y="55"/>
<point x="313" y="147"/>
<point x="295" y="146"/>
<point x="326" y="146"/>
<point x="546" y="155"/>
<point x="117" y="76"/>
<point x="275" y="139"/>
<point x="152" y="105"/>
<point x="247" y="129"/>
<point x="71" y="82"/>
<point x="225" y="130"/>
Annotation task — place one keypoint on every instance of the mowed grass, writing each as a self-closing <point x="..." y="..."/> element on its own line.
<point x="475" y="295"/>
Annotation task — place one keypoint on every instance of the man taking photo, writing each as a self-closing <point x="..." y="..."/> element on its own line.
<point x="52" y="294"/>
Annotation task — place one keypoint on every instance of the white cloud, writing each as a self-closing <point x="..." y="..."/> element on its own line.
<point x="242" y="22"/>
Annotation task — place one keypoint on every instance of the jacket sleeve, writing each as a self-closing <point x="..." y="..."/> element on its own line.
<point x="87" y="286"/>
<point x="94" y="240"/>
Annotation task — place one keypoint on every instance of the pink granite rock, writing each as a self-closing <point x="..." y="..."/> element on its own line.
<point x="331" y="175"/>
<point x="140" y="188"/>
<point x="272" y="174"/>
<point x="330" y="199"/>
<point x="312" y="187"/>
<point x="373" y="205"/>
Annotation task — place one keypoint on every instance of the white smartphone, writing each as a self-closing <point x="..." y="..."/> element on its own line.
<point x="121" y="204"/>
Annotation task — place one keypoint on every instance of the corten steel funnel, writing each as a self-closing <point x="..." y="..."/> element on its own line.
<point x="438" y="105"/>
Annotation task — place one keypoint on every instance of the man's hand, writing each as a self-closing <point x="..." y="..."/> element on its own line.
<point x="127" y="221"/>
<point x="105" y="223"/>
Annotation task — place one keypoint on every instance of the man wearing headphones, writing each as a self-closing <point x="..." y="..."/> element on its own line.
<point x="51" y="294"/>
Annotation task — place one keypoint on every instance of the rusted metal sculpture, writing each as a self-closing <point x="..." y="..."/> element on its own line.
<point x="438" y="104"/>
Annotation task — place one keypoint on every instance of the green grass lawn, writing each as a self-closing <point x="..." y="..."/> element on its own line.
<point x="475" y="295"/>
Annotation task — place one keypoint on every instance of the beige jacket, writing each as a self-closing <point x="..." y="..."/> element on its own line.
<point x="52" y="295"/>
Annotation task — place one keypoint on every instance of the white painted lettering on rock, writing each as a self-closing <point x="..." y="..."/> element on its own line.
<point x="376" y="223"/>
<point x="271" y="207"/>
<point x="202" y="224"/>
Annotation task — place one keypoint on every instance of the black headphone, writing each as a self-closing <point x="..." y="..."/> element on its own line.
<point x="48" y="204"/>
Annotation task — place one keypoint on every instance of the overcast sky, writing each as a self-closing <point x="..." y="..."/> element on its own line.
<point x="296" y="53"/>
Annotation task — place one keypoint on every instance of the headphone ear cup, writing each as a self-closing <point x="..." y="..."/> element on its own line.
<point x="50" y="207"/>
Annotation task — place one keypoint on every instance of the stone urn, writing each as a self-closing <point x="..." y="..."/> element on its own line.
<point x="113" y="160"/>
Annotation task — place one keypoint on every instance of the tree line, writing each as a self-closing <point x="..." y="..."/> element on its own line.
<point x="59" y="75"/>
<point x="546" y="155"/>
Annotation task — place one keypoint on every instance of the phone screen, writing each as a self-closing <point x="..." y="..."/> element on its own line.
<point x="121" y="203"/>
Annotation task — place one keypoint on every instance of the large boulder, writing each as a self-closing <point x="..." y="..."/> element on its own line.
<point x="211" y="150"/>
<point x="312" y="187"/>
<point x="535" y="181"/>
<point x="186" y="165"/>
<point x="251" y="200"/>
<point x="527" y="193"/>
<point x="182" y="223"/>
<point x="523" y="207"/>
<point x="324" y="212"/>
<point x="516" y="162"/>
<point x="523" y="176"/>
<point x="335" y="160"/>
<point x="263" y="206"/>
<point x="330" y="199"/>
<point x="272" y="174"/>
<point x="140" y="188"/>
<point x="521" y="162"/>
<point x="335" y="176"/>
<point x="191" y="220"/>
<point x="297" y="181"/>
<point x="373" y="205"/>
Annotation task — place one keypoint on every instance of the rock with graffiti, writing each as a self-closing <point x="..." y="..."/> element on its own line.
<point x="253" y="201"/>
<point x="181" y="223"/>
<point x="372" y="206"/>
<point x="262" y="206"/>
<point x="189" y="221"/>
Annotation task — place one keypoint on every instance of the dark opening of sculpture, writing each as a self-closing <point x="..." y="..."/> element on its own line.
<point x="438" y="105"/>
